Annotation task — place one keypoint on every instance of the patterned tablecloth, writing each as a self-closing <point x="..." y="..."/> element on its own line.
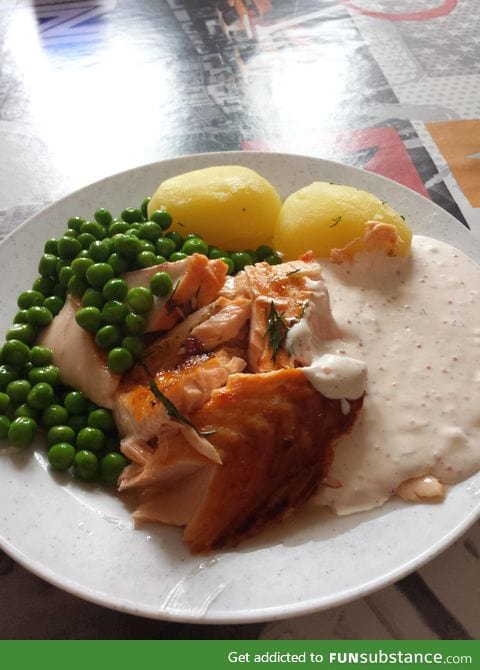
<point x="92" y="87"/>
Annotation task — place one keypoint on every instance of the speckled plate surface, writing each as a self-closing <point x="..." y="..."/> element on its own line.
<point x="81" y="538"/>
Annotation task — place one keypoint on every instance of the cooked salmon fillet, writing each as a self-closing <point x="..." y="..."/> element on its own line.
<point x="197" y="281"/>
<point x="275" y="434"/>
<point x="82" y="364"/>
<point x="280" y="294"/>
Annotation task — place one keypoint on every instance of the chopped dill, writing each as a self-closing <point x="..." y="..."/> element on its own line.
<point x="292" y="272"/>
<point x="276" y="330"/>
<point x="335" y="221"/>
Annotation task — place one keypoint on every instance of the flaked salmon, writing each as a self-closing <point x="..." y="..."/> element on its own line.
<point x="82" y="364"/>
<point x="275" y="435"/>
<point x="197" y="281"/>
<point x="280" y="294"/>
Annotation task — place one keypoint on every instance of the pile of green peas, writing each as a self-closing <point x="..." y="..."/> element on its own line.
<point x="88" y="262"/>
<point x="79" y="434"/>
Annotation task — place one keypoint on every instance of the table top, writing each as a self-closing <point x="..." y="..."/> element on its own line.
<point x="89" y="88"/>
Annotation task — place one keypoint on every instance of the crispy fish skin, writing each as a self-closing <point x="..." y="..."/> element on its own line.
<point x="275" y="434"/>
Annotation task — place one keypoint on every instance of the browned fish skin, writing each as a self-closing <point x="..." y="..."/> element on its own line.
<point x="275" y="435"/>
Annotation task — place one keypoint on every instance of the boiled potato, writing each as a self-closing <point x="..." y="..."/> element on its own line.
<point x="230" y="206"/>
<point x="324" y="216"/>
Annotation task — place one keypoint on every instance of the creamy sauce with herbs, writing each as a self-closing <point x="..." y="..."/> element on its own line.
<point x="416" y="323"/>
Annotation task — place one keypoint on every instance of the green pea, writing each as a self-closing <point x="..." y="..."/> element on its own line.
<point x="21" y="432"/>
<point x="241" y="259"/>
<point x="162" y="217"/>
<point x="215" y="252"/>
<point x="176" y="238"/>
<point x="119" y="360"/>
<point x="47" y="265"/>
<point x="177" y="256"/>
<point x="16" y="353"/>
<point x="91" y="439"/>
<point x="40" y="396"/>
<point x="131" y="215"/>
<point x="4" y="425"/>
<point x="144" y="207"/>
<point x="40" y="355"/>
<point x="114" y="312"/>
<point x="60" y="433"/>
<point x="29" y="299"/>
<point x="165" y="246"/>
<point x="76" y="402"/>
<point x="4" y="401"/>
<point x="161" y="260"/>
<point x="93" y="228"/>
<point x="54" y="415"/>
<point x="24" y="332"/>
<point x="118" y="263"/>
<point x="127" y="246"/>
<point x="111" y="467"/>
<point x="195" y="245"/>
<point x="18" y="390"/>
<point x="68" y="247"/>
<point x="75" y="223"/>
<point x="77" y="422"/>
<point x="85" y="464"/>
<point x="161" y="284"/>
<point x="49" y="374"/>
<point x="118" y="227"/>
<point x="99" y="251"/>
<point x="263" y="251"/>
<point x="273" y="260"/>
<point x="80" y="266"/>
<point x="103" y="217"/>
<point x="21" y="316"/>
<point x="229" y="263"/>
<point x="93" y="298"/>
<point x="150" y="231"/>
<point x="64" y="275"/>
<point x="98" y="274"/>
<point x="51" y="247"/>
<point x="77" y="286"/>
<point x="135" y="324"/>
<point x="134" y="344"/>
<point x="108" y="336"/>
<point x="39" y="316"/>
<point x="61" y="455"/>
<point x="71" y="233"/>
<point x="89" y="318"/>
<point x="44" y="285"/>
<point x="140" y="299"/>
<point x="115" y="289"/>
<point x="25" y="410"/>
<point x="54" y="304"/>
<point x="86" y="239"/>
<point x="146" y="259"/>
<point x="102" y="419"/>
<point x="7" y="375"/>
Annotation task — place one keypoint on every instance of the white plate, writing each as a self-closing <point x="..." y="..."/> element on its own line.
<point x="82" y="538"/>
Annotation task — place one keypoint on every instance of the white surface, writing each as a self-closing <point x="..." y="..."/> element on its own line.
<point x="81" y="538"/>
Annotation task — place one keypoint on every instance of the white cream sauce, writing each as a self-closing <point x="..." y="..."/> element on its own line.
<point x="416" y="323"/>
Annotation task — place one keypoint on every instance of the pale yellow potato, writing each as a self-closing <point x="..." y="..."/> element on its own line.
<point x="324" y="216"/>
<point x="230" y="206"/>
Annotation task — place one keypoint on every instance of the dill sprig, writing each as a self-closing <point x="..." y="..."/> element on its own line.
<point x="335" y="221"/>
<point x="172" y="411"/>
<point x="276" y="330"/>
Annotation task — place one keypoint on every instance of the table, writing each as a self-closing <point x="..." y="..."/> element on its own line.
<point x="92" y="87"/>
